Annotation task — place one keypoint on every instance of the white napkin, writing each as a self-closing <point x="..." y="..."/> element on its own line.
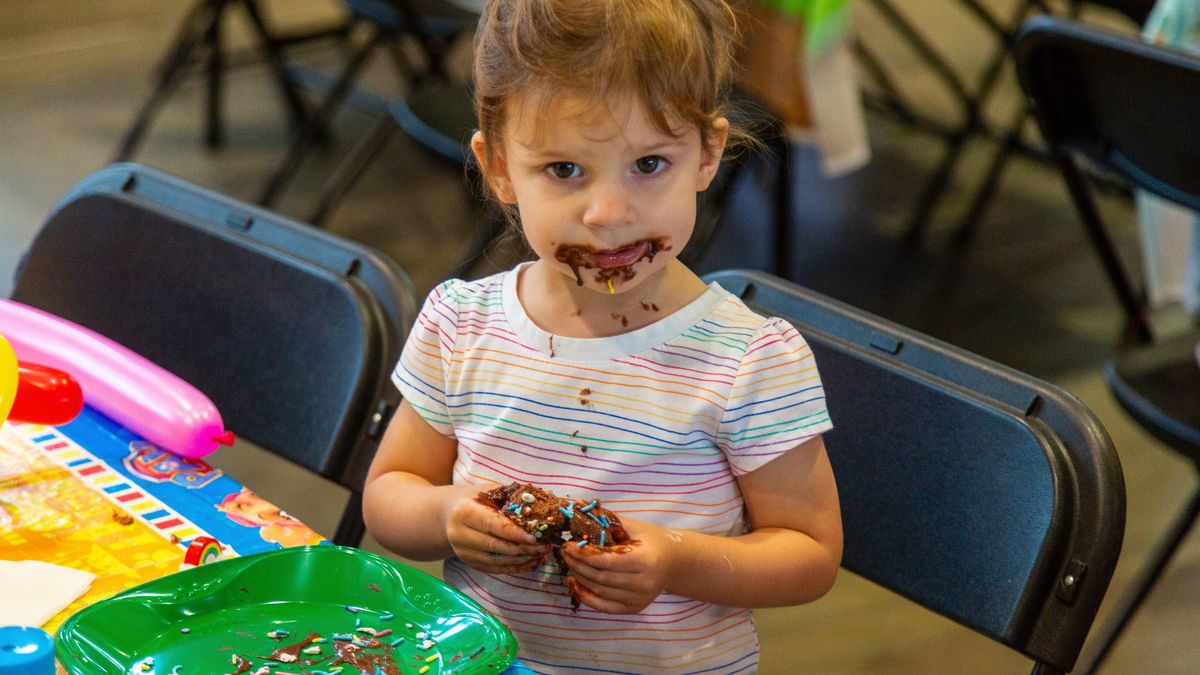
<point x="32" y="591"/>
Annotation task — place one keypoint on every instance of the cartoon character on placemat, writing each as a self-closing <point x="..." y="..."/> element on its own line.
<point x="248" y="509"/>
<point x="152" y="463"/>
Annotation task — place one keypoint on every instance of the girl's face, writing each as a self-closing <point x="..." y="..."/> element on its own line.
<point x="605" y="198"/>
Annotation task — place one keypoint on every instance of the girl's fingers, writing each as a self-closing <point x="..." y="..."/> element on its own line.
<point x="619" y="583"/>
<point x="602" y="599"/>
<point x="500" y="527"/>
<point x="492" y="537"/>
<point x="602" y="561"/>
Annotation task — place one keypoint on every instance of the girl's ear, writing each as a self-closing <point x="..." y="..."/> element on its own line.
<point x="710" y="155"/>
<point x="496" y="176"/>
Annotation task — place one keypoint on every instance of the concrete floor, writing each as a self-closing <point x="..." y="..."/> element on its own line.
<point x="1028" y="293"/>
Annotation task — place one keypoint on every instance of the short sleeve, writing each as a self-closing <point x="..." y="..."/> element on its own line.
<point x="776" y="401"/>
<point x="425" y="361"/>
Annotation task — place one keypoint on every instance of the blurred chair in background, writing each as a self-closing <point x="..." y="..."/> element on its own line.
<point x="971" y="97"/>
<point x="201" y="38"/>
<point x="1112" y="103"/>
<point x="434" y="25"/>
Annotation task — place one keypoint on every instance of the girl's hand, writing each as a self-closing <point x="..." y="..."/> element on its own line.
<point x="624" y="579"/>
<point x="486" y="540"/>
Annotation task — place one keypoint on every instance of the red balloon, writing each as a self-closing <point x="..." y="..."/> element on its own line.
<point x="45" y="395"/>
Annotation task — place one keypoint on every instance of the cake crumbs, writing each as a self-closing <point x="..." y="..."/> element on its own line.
<point x="122" y="518"/>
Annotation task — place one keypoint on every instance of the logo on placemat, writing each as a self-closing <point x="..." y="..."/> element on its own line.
<point x="157" y="465"/>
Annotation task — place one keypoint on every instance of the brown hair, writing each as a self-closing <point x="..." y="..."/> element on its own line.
<point x="676" y="56"/>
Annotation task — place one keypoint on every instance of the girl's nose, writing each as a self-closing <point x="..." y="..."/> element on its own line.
<point x="608" y="206"/>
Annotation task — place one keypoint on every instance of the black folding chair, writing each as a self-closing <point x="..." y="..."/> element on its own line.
<point x="291" y="332"/>
<point x="976" y="491"/>
<point x="1116" y="104"/>
<point x="1110" y="103"/>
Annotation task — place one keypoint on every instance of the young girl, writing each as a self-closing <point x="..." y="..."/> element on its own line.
<point x="605" y="368"/>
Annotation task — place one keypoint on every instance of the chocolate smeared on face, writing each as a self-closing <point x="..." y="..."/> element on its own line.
<point x="579" y="257"/>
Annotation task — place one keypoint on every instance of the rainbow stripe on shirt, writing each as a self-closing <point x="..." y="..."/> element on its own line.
<point x="657" y="423"/>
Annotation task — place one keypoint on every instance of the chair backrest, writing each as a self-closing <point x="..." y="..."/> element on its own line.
<point x="1126" y="106"/>
<point x="979" y="492"/>
<point x="292" y="332"/>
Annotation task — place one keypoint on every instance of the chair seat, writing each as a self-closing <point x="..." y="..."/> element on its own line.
<point x="1159" y="386"/>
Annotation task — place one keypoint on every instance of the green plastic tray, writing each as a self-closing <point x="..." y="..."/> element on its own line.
<point x="193" y="622"/>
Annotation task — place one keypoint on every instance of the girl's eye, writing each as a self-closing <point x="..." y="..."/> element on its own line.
<point x="648" y="164"/>
<point x="564" y="170"/>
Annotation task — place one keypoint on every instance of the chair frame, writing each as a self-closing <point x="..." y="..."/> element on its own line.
<point x="1061" y="119"/>
<point x="201" y="35"/>
<point x="372" y="289"/>
<point x="386" y="23"/>
<point x="964" y="412"/>
<point x="1069" y="70"/>
<point x="971" y="97"/>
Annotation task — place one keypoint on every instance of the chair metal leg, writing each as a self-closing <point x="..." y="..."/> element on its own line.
<point x="1040" y="668"/>
<point x="891" y="98"/>
<point x="973" y="122"/>
<point x="922" y="47"/>
<point x="968" y="227"/>
<point x="1131" y="301"/>
<point x="214" y="133"/>
<point x="320" y="118"/>
<point x="973" y="125"/>
<point x="351" y="168"/>
<point x="201" y="30"/>
<point x="1144" y="583"/>
<point x="273" y="53"/>
<point x="191" y="34"/>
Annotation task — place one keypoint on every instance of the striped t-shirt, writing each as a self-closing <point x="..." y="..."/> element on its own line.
<point x="655" y="423"/>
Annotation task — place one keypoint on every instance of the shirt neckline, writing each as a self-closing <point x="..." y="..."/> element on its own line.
<point x="636" y="341"/>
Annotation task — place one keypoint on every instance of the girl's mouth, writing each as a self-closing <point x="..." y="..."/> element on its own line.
<point x="620" y="257"/>
<point x="611" y="264"/>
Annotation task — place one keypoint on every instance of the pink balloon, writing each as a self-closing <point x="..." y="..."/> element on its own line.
<point x="125" y="386"/>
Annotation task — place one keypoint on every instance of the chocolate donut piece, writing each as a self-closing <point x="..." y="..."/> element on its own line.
<point x="557" y="521"/>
